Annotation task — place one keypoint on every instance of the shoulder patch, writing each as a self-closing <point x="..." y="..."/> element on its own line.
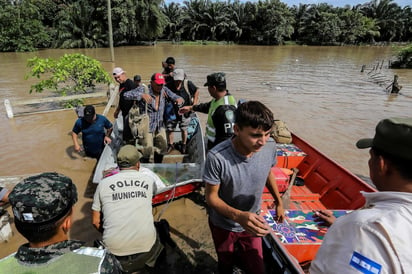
<point x="364" y="264"/>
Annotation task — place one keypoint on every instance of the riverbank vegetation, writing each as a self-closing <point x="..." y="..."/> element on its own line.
<point x="27" y="25"/>
<point x="404" y="58"/>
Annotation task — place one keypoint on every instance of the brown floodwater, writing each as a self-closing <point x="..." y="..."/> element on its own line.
<point x="320" y="92"/>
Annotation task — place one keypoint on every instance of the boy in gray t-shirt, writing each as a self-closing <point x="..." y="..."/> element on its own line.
<point x="236" y="172"/>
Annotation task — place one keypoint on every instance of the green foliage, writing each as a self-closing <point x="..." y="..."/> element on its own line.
<point x="26" y="25"/>
<point x="21" y="28"/>
<point x="73" y="103"/>
<point x="404" y="57"/>
<point x="173" y="21"/>
<point x="81" y="25"/>
<point x="72" y="73"/>
<point x="137" y="20"/>
<point x="273" y="22"/>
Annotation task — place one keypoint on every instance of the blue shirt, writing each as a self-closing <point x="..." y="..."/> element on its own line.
<point x="93" y="134"/>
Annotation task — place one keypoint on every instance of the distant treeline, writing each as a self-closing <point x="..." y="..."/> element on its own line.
<point x="27" y="25"/>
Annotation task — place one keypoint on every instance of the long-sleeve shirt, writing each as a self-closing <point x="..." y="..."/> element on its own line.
<point x="155" y="115"/>
<point x="374" y="239"/>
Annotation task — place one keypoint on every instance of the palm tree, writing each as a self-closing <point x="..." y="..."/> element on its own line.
<point x="321" y="25"/>
<point x="194" y="23"/>
<point x="387" y="15"/>
<point x="299" y="13"/>
<point x="149" y="19"/>
<point x="241" y="16"/>
<point x="273" y="22"/>
<point x="80" y="26"/>
<point x="174" y="16"/>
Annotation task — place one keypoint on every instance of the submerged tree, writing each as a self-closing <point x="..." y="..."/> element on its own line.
<point x="72" y="73"/>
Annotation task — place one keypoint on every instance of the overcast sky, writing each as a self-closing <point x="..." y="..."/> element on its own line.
<point x="335" y="3"/>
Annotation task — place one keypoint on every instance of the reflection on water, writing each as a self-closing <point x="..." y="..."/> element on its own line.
<point x="319" y="92"/>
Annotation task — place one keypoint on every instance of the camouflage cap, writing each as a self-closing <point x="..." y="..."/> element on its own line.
<point x="217" y="79"/>
<point x="43" y="198"/>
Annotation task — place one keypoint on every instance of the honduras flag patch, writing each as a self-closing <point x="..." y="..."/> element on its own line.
<point x="364" y="264"/>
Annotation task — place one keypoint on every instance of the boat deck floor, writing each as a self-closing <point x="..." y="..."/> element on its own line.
<point x="301" y="198"/>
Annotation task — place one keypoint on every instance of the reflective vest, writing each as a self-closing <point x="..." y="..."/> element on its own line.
<point x="210" y="127"/>
<point x="79" y="261"/>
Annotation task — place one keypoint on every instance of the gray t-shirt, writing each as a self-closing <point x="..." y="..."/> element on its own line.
<point x="241" y="179"/>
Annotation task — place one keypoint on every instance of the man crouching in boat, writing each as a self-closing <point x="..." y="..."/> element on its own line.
<point x="43" y="208"/>
<point x="376" y="238"/>
<point x="125" y="201"/>
<point x="236" y="172"/>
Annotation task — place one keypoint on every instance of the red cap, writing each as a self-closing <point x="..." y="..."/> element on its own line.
<point x="158" y="78"/>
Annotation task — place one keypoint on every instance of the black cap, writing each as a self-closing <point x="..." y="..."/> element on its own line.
<point x="137" y="78"/>
<point x="393" y="136"/>
<point x="170" y="61"/>
<point x="89" y="113"/>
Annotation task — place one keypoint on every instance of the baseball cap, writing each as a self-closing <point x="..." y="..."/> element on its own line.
<point x="170" y="61"/>
<point x="158" y="78"/>
<point x="178" y="75"/>
<point x="118" y="71"/>
<point x="216" y="79"/>
<point x="128" y="156"/>
<point x="89" y="113"/>
<point x="393" y="136"/>
<point x="43" y="199"/>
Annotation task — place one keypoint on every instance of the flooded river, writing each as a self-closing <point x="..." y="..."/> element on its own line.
<point x="320" y="92"/>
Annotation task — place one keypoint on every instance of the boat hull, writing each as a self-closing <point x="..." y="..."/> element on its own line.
<point x="323" y="184"/>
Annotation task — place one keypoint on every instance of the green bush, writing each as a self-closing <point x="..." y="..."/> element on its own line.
<point x="70" y="74"/>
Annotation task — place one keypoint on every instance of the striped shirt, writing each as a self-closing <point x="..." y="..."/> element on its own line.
<point x="155" y="115"/>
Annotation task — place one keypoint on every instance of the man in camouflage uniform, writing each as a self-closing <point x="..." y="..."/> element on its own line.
<point x="42" y="206"/>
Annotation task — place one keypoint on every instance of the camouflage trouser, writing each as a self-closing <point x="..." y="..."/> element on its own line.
<point x="154" y="144"/>
<point x="159" y="141"/>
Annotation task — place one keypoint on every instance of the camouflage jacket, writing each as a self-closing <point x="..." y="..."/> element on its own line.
<point x="28" y="255"/>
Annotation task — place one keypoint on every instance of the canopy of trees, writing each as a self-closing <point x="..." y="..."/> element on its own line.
<point x="27" y="25"/>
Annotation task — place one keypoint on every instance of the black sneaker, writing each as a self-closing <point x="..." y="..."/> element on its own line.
<point x="183" y="149"/>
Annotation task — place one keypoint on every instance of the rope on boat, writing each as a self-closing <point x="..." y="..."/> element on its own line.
<point x="171" y="196"/>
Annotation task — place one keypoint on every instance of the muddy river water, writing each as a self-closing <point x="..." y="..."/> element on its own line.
<point x="320" y="92"/>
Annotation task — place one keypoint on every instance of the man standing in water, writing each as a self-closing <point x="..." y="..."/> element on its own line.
<point x="95" y="129"/>
<point x="376" y="238"/>
<point x="236" y="171"/>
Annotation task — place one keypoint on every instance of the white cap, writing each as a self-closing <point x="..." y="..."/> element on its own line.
<point x="118" y="71"/>
<point x="178" y="74"/>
